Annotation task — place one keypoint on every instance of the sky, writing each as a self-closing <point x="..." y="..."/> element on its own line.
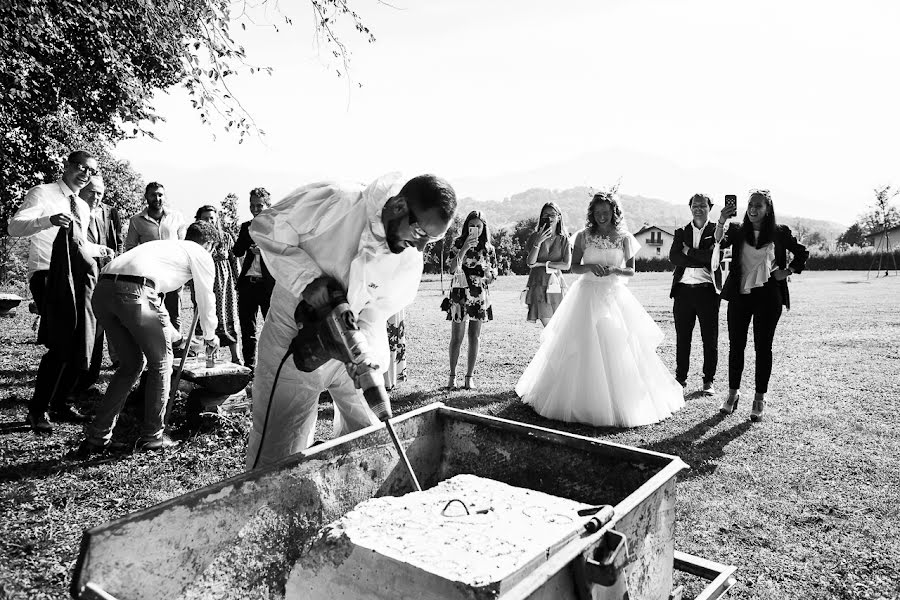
<point x="673" y="98"/>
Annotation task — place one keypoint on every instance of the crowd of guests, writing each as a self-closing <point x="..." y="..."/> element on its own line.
<point x="597" y="362"/>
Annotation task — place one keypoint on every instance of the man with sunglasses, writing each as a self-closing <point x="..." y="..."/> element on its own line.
<point x="46" y="208"/>
<point x="368" y="239"/>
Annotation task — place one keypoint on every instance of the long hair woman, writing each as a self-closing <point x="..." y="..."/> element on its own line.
<point x="474" y="264"/>
<point x="548" y="254"/>
<point x="756" y="290"/>
<point x="597" y="363"/>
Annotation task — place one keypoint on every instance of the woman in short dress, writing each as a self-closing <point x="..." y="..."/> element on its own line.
<point x="548" y="254"/>
<point x="474" y="264"/>
<point x="224" y="286"/>
<point x="597" y="363"/>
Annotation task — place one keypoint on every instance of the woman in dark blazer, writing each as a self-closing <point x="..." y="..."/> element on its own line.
<point x="756" y="290"/>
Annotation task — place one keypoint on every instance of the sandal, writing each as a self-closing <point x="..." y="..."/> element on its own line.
<point x="451" y="383"/>
<point x="468" y="384"/>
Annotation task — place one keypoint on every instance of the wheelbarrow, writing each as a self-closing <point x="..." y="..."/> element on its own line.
<point x="246" y="536"/>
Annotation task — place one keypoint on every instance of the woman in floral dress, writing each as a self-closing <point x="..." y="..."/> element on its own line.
<point x="224" y="286"/>
<point x="396" y="370"/>
<point x="474" y="264"/>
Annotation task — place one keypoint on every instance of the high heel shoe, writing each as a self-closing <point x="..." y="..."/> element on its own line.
<point x="730" y="404"/>
<point x="468" y="384"/>
<point x="759" y="406"/>
<point x="451" y="383"/>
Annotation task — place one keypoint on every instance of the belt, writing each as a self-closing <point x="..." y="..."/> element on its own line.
<point x="697" y="285"/>
<point x="130" y="279"/>
<point x="253" y="278"/>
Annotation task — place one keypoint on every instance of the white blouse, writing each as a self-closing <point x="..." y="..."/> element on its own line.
<point x="757" y="265"/>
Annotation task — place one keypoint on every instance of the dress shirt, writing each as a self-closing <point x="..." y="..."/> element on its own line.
<point x="171" y="264"/>
<point x="696" y="275"/>
<point x="144" y="228"/>
<point x="336" y="230"/>
<point x="32" y="220"/>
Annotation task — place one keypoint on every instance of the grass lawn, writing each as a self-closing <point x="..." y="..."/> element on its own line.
<point x="805" y="503"/>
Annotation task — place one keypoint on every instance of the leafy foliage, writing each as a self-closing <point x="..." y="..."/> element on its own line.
<point x="228" y="216"/>
<point x="854" y="236"/>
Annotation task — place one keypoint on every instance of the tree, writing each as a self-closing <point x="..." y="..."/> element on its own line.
<point x="881" y="214"/>
<point x="229" y="215"/>
<point x="100" y="63"/>
<point x="521" y="232"/>
<point x="507" y="249"/>
<point x="854" y="236"/>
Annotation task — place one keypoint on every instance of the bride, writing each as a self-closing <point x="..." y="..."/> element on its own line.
<point x="597" y="363"/>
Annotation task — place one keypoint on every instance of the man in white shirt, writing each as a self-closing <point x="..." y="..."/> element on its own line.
<point x="158" y="222"/>
<point x="128" y="306"/>
<point x="46" y="208"/>
<point x="368" y="239"/>
<point x="695" y="291"/>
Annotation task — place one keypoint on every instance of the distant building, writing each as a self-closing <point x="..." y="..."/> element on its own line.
<point x="655" y="241"/>
<point x="893" y="234"/>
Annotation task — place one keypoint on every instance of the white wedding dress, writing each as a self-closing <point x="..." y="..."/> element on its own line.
<point x="597" y="363"/>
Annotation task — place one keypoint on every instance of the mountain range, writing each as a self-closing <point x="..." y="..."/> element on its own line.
<point x="638" y="210"/>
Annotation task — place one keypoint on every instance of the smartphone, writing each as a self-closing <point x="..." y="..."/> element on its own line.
<point x="473" y="232"/>
<point x="730" y="200"/>
<point x="543" y="223"/>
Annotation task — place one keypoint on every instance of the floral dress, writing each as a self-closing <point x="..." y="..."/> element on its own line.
<point x="473" y="300"/>
<point x="396" y="370"/>
<point x="225" y="291"/>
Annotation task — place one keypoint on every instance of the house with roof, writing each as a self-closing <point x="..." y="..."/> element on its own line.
<point x="655" y="240"/>
<point x="893" y="237"/>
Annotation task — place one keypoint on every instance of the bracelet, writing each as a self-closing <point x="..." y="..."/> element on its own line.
<point x="547" y="265"/>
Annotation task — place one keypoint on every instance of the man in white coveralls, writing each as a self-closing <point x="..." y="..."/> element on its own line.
<point x="370" y="240"/>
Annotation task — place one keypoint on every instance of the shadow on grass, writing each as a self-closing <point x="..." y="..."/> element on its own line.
<point x="20" y="373"/>
<point x="38" y="469"/>
<point x="700" y="456"/>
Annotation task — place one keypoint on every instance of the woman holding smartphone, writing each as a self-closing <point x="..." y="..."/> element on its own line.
<point x="474" y="262"/>
<point x="549" y="253"/>
<point x="756" y="290"/>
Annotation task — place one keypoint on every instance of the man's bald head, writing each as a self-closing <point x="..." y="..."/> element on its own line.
<point x="94" y="191"/>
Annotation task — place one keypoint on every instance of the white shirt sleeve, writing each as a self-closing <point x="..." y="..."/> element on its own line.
<point x="204" y="273"/>
<point x="279" y="232"/>
<point x="30" y="217"/>
<point x="372" y="318"/>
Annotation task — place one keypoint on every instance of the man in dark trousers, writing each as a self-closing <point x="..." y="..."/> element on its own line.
<point x="254" y="284"/>
<point x="105" y="228"/>
<point x="695" y="290"/>
<point x="46" y="209"/>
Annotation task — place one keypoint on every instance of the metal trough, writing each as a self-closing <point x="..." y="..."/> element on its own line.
<point x="240" y="538"/>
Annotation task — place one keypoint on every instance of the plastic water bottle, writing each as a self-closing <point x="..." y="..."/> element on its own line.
<point x="210" y="355"/>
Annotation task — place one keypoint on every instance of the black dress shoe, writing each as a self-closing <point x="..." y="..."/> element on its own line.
<point x="68" y="414"/>
<point x="88" y="448"/>
<point x="40" y="423"/>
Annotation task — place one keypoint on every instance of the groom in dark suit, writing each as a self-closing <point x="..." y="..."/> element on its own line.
<point x="695" y="290"/>
<point x="254" y="284"/>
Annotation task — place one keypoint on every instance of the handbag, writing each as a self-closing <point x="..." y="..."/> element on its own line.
<point x="459" y="280"/>
<point x="554" y="286"/>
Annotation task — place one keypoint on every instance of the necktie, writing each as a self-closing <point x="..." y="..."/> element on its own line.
<point x="76" y="216"/>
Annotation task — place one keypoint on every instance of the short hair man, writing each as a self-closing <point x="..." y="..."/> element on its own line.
<point x="46" y="208"/>
<point x="254" y="283"/>
<point x="158" y="222"/>
<point x="105" y="228"/>
<point x="367" y="239"/>
<point x="128" y="306"/>
<point x="695" y="291"/>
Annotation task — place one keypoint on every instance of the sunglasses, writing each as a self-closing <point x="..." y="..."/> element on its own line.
<point x="86" y="168"/>
<point x="417" y="231"/>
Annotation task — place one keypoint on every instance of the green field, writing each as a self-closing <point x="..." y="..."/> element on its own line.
<point x="805" y="503"/>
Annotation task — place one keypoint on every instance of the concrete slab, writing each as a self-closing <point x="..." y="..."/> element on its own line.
<point x="223" y="378"/>
<point x="430" y="545"/>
